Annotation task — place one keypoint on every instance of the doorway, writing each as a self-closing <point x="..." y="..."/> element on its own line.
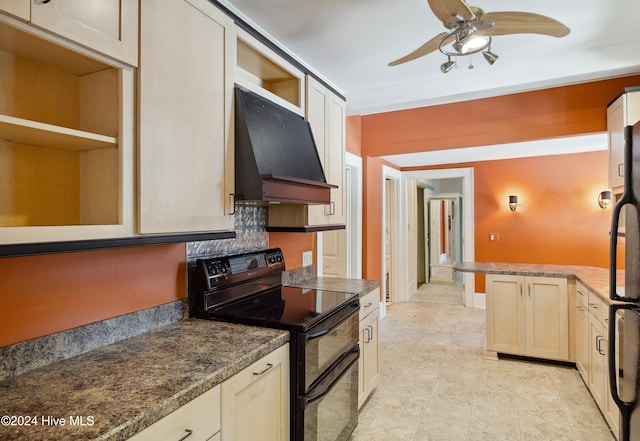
<point x="445" y="234"/>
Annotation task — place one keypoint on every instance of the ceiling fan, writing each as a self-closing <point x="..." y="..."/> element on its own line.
<point x="470" y="31"/>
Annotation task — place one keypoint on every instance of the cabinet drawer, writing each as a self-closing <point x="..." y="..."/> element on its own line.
<point x="369" y="302"/>
<point x="582" y="294"/>
<point x="598" y="308"/>
<point x="200" y="415"/>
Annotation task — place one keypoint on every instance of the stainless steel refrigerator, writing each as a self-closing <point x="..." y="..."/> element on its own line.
<point x="624" y="314"/>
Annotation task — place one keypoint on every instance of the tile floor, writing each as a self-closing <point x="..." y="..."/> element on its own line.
<point x="436" y="386"/>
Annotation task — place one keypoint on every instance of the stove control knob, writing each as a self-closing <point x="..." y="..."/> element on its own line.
<point x="271" y="260"/>
<point x="279" y="258"/>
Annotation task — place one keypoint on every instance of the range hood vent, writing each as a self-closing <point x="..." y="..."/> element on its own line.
<point x="276" y="159"/>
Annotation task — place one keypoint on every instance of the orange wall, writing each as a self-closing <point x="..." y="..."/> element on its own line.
<point x="548" y="113"/>
<point x="546" y="182"/>
<point x="354" y="135"/>
<point x="41" y="295"/>
<point x="293" y="245"/>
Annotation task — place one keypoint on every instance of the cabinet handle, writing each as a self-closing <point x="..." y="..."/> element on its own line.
<point x="189" y="431"/>
<point x="529" y="290"/>
<point x="269" y="366"/>
<point x="620" y="170"/>
<point x="332" y="208"/>
<point x="371" y="334"/>
<point x="599" y="339"/>
<point x="368" y="305"/>
<point x="593" y="305"/>
<point x="367" y="339"/>
<point x="44" y="2"/>
<point x="232" y="202"/>
<point x="520" y="290"/>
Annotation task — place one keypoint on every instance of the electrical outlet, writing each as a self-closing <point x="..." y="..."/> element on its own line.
<point x="494" y="237"/>
<point x="307" y="258"/>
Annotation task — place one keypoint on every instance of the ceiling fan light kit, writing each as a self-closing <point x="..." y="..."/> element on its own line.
<point x="470" y="31"/>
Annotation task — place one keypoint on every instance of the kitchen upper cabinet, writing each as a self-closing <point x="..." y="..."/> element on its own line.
<point x="198" y="420"/>
<point x="327" y="117"/>
<point x="18" y="8"/>
<point x="106" y="26"/>
<point x="186" y="74"/>
<point x="369" y="361"/>
<point x="66" y="140"/>
<point x="255" y="401"/>
<point x="528" y="316"/>
<point x="262" y="71"/>
<point x="623" y="112"/>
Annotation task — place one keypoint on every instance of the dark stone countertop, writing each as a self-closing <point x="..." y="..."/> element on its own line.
<point x="129" y="385"/>
<point x="593" y="278"/>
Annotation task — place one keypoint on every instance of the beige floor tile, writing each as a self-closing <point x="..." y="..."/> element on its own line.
<point x="435" y="385"/>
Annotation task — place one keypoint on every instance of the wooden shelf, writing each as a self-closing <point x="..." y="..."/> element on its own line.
<point x="24" y="131"/>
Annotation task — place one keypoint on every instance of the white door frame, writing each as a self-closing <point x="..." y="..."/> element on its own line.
<point x="469" y="298"/>
<point x="397" y="276"/>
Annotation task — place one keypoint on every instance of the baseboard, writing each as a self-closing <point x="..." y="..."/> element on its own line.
<point x="479" y="301"/>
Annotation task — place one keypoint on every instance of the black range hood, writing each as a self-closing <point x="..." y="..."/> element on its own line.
<point x="276" y="159"/>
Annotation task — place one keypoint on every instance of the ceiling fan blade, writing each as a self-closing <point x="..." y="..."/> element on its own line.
<point x="423" y="50"/>
<point x="445" y="10"/>
<point x="505" y="23"/>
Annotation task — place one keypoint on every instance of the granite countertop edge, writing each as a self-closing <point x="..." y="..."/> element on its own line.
<point x="358" y="286"/>
<point x="594" y="278"/>
<point x="131" y="384"/>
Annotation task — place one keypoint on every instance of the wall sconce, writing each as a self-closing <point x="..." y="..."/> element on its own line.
<point x="604" y="199"/>
<point x="513" y="203"/>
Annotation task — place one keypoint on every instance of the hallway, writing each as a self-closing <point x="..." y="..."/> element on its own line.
<point x="436" y="386"/>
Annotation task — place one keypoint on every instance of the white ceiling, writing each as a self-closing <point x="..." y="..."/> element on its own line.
<point x="350" y="42"/>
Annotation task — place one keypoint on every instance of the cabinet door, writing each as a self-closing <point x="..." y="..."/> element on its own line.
<point x="326" y="114"/>
<point x="615" y="133"/>
<point x="185" y="89"/>
<point x="17" y="8"/>
<point x="547" y="318"/>
<point x="107" y="26"/>
<point x="597" y="374"/>
<point x="255" y="401"/>
<point x="371" y="353"/>
<point x="505" y="314"/>
<point x="582" y="341"/>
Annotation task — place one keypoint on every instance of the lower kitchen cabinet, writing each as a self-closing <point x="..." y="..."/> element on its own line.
<point x="369" y="362"/>
<point x="582" y="331"/>
<point x="199" y="420"/>
<point x="597" y="369"/>
<point x="255" y="401"/>
<point x="528" y="316"/>
<point x="251" y="405"/>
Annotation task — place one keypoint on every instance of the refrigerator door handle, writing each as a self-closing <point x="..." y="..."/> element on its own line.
<point x="626" y="407"/>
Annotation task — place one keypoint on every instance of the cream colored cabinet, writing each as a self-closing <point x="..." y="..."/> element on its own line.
<point x="327" y="117"/>
<point x="198" y="420"/>
<point x="264" y="72"/>
<point x="582" y="331"/>
<point x="528" y="316"/>
<point x="623" y="112"/>
<point x="369" y="362"/>
<point x="66" y="140"/>
<point x="186" y="162"/>
<point x="598" y="372"/>
<point x="17" y="8"/>
<point x="106" y="26"/>
<point x="255" y="401"/>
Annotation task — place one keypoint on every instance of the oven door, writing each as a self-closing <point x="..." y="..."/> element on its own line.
<point x="329" y="411"/>
<point x="324" y="344"/>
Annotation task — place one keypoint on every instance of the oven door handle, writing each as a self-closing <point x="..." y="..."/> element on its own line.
<point x="329" y="329"/>
<point x="315" y="397"/>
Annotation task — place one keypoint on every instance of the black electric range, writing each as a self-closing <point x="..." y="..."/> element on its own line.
<point x="324" y="333"/>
